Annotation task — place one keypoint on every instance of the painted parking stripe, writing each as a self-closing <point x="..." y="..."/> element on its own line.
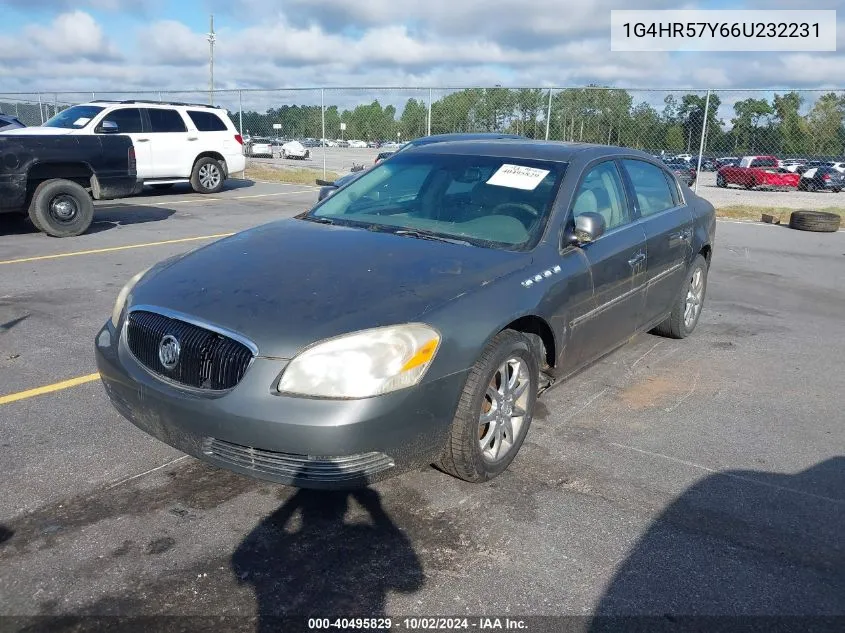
<point x="112" y="249"/>
<point x="56" y="386"/>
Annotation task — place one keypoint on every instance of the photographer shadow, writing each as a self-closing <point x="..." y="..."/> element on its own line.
<point x="320" y="556"/>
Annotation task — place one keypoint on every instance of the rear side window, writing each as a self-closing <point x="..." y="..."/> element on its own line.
<point x="162" y="120"/>
<point x="128" y="120"/>
<point x="650" y="186"/>
<point x="764" y="162"/>
<point x="207" y="121"/>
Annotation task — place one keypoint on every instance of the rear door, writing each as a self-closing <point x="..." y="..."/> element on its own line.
<point x="130" y="122"/>
<point x="168" y="138"/>
<point x="617" y="261"/>
<point x="668" y="225"/>
<point x="212" y="133"/>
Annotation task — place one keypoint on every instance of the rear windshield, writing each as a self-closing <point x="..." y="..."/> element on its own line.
<point x="487" y="201"/>
<point x="74" y="118"/>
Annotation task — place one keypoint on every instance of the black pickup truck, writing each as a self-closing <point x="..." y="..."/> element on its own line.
<point x="53" y="178"/>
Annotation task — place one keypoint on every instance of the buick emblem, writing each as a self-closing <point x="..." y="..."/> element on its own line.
<point x="168" y="351"/>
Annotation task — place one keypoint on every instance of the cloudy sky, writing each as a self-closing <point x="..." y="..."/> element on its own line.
<point x="96" y="45"/>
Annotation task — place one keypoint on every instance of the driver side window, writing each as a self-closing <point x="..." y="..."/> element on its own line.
<point x="128" y="120"/>
<point x="601" y="192"/>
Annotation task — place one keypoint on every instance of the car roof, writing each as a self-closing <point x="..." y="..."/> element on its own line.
<point x="463" y="136"/>
<point x="528" y="149"/>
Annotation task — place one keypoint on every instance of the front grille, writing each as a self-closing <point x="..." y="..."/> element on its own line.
<point x="298" y="468"/>
<point x="207" y="360"/>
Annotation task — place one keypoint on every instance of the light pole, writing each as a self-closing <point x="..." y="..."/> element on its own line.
<point x="211" y="40"/>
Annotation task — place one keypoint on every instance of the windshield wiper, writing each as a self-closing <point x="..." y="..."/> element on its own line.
<point x="423" y="235"/>
<point x="320" y="219"/>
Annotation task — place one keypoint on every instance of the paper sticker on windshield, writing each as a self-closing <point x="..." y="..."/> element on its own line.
<point x="518" y="177"/>
<point x="81" y="121"/>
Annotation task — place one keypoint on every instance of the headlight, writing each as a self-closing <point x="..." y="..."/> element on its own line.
<point x="363" y="364"/>
<point x="124" y="293"/>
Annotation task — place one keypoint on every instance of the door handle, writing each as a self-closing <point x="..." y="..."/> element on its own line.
<point x="681" y="235"/>
<point x="142" y="140"/>
<point x="638" y="258"/>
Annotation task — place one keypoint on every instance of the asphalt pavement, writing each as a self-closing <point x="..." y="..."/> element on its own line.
<point x="694" y="477"/>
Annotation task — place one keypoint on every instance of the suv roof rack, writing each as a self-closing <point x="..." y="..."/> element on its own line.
<point x="152" y="102"/>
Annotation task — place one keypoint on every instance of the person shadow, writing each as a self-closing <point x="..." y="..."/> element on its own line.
<point x="319" y="555"/>
<point x="740" y="550"/>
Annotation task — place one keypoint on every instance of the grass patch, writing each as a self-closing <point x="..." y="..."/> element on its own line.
<point x="296" y="176"/>
<point x="751" y="212"/>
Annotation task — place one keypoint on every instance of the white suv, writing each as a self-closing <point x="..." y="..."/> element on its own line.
<point x="174" y="142"/>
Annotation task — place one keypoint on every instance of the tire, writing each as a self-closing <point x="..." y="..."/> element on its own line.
<point x="720" y="181"/>
<point x="811" y="186"/>
<point x="202" y="177"/>
<point x="462" y="456"/>
<point x="677" y="326"/>
<point x="162" y="186"/>
<point x="817" y="221"/>
<point x="61" y="208"/>
<point x="836" y="190"/>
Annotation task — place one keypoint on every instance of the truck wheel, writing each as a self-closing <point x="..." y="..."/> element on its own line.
<point x="720" y="181"/>
<point x="207" y="176"/>
<point x="818" y="221"/>
<point x="61" y="208"/>
<point x="494" y="411"/>
<point x="688" y="303"/>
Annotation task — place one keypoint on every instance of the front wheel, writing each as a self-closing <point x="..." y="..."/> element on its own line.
<point x="61" y="208"/>
<point x="720" y="181"/>
<point x="207" y="176"/>
<point x="687" y="307"/>
<point x="494" y="411"/>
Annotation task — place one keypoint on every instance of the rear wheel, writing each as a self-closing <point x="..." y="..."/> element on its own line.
<point x="688" y="304"/>
<point x="61" y="208"/>
<point x="811" y="186"/>
<point x="720" y="181"/>
<point x="494" y="411"/>
<point x="207" y="176"/>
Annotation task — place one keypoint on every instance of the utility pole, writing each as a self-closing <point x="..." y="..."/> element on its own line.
<point x="211" y="40"/>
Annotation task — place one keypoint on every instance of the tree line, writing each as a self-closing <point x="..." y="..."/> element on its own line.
<point x="787" y="125"/>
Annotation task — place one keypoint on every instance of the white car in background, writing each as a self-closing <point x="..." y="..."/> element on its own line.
<point x="174" y="142"/>
<point x="295" y="149"/>
<point x="838" y="166"/>
<point x="260" y="147"/>
<point x="358" y="144"/>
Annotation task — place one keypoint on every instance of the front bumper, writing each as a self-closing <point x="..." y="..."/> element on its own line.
<point x="303" y="442"/>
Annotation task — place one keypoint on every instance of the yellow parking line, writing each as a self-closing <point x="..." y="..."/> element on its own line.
<point x="112" y="249"/>
<point x="38" y="391"/>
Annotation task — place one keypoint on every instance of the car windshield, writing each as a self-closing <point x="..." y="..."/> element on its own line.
<point x="486" y="201"/>
<point x="74" y="118"/>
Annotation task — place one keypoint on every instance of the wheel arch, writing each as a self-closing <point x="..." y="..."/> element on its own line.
<point x="216" y="156"/>
<point x="538" y="326"/>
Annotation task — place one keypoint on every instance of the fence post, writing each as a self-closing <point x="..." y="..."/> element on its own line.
<point x="55" y="103"/>
<point x="40" y="108"/>
<point x="428" y="123"/>
<point x="323" y="127"/>
<point x="241" y="125"/>
<point x="159" y="96"/>
<point x="549" y="114"/>
<point x="701" y="145"/>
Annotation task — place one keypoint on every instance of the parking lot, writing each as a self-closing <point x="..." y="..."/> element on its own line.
<point x="702" y="476"/>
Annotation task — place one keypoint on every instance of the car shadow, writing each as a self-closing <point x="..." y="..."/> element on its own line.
<point x="319" y="555"/>
<point x="745" y="544"/>
<point x="113" y="216"/>
<point x="182" y="188"/>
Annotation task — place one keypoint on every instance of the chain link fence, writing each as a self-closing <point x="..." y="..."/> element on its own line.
<point x="345" y="126"/>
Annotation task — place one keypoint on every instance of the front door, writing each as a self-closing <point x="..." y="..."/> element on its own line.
<point x="168" y="137"/>
<point x="668" y="227"/>
<point x="617" y="262"/>
<point x="129" y="122"/>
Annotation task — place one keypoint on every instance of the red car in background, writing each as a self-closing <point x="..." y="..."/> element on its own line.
<point x="757" y="171"/>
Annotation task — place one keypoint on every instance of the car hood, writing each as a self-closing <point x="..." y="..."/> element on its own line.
<point x="38" y="131"/>
<point x="290" y="283"/>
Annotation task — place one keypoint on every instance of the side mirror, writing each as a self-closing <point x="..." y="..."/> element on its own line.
<point x="589" y="227"/>
<point x="109" y="127"/>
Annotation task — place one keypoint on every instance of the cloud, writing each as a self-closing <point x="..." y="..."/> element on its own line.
<point x="71" y="35"/>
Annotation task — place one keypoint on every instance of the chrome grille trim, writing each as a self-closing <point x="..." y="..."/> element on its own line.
<point x="210" y="361"/>
<point x="291" y="466"/>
